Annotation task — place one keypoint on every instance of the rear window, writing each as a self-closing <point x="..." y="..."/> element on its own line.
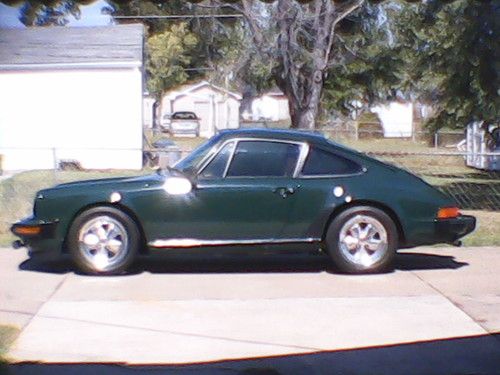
<point x="320" y="162"/>
<point x="184" y="116"/>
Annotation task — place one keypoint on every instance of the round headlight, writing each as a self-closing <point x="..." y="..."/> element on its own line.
<point x="177" y="185"/>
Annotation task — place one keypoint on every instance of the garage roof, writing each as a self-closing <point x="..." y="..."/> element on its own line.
<point x="72" y="47"/>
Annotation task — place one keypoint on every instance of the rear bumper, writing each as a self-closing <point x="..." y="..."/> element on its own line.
<point x="184" y="131"/>
<point x="450" y="230"/>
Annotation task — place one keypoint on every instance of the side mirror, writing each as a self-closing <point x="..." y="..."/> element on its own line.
<point x="177" y="185"/>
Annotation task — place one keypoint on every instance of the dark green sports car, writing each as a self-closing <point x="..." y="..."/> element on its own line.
<point x="257" y="190"/>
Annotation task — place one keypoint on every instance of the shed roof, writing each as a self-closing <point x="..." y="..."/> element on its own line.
<point x="188" y="89"/>
<point x="72" y="47"/>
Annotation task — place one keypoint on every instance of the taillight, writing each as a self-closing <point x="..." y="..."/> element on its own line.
<point x="448" y="213"/>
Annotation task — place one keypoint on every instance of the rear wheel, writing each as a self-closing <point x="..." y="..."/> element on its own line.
<point x="103" y="240"/>
<point x="362" y="239"/>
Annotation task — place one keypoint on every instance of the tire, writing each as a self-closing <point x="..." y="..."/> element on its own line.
<point x="103" y="241"/>
<point x="362" y="239"/>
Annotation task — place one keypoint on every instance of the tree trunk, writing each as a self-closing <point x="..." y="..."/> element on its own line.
<point x="303" y="49"/>
<point x="304" y="108"/>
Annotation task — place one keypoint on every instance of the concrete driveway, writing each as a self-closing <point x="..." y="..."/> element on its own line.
<point x="440" y="310"/>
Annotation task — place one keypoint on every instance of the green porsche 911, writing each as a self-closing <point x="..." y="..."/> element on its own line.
<point x="251" y="189"/>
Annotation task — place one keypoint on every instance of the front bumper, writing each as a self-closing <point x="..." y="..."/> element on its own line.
<point x="450" y="230"/>
<point x="31" y="228"/>
<point x="38" y="236"/>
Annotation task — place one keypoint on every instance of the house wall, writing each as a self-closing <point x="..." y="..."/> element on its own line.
<point x="272" y="108"/>
<point x="91" y="116"/>
<point x="396" y="118"/>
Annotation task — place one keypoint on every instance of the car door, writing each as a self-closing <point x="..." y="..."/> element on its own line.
<point x="241" y="194"/>
<point x="327" y="180"/>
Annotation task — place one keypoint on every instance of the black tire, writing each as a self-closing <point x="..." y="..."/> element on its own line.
<point x="108" y="262"/>
<point x="360" y="258"/>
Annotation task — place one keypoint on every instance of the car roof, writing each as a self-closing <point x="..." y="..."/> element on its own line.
<point x="281" y="134"/>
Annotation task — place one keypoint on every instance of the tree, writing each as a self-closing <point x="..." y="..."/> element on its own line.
<point x="456" y="61"/>
<point x="215" y="52"/>
<point x="49" y="12"/>
<point x="296" y="39"/>
<point x="372" y="63"/>
<point x="170" y="52"/>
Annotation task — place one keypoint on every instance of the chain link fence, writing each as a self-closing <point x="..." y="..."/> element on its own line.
<point x="473" y="189"/>
<point x="366" y="130"/>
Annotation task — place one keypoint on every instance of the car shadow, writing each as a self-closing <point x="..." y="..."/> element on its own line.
<point x="296" y="263"/>
<point x="462" y="355"/>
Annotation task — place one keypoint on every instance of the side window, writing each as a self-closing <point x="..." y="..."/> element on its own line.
<point x="321" y="162"/>
<point x="264" y="159"/>
<point x="217" y="166"/>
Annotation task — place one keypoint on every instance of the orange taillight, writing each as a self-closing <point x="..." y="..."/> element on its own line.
<point x="27" y="230"/>
<point x="448" y="212"/>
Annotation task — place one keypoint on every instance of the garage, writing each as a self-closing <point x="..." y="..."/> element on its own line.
<point x="71" y="95"/>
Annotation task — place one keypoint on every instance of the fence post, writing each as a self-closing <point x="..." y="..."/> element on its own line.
<point x="436" y="139"/>
<point x="54" y="157"/>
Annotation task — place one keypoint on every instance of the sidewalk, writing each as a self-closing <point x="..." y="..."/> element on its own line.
<point x="184" y="311"/>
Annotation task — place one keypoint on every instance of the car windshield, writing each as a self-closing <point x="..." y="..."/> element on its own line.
<point x="193" y="161"/>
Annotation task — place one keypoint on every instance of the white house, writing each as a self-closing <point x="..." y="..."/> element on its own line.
<point x="71" y="94"/>
<point x="270" y="106"/>
<point x="216" y="107"/>
<point x="396" y="119"/>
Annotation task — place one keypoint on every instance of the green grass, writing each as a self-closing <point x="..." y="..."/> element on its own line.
<point x="387" y="145"/>
<point x="486" y="233"/>
<point x="7" y="336"/>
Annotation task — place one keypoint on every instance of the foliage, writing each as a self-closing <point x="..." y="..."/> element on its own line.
<point x="7" y="336"/>
<point x="456" y="60"/>
<point x="50" y="12"/>
<point x="169" y="53"/>
<point x="370" y="61"/>
<point x="295" y="40"/>
<point x="214" y="56"/>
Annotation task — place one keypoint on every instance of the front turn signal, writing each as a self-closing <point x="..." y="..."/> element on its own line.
<point x="448" y="213"/>
<point x="27" y="230"/>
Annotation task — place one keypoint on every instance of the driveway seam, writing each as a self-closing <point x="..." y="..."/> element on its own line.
<point x="58" y="286"/>
<point x="452" y="302"/>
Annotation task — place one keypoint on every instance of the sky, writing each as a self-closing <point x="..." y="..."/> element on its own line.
<point x="90" y="16"/>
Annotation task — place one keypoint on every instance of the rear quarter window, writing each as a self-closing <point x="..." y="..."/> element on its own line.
<point x="320" y="162"/>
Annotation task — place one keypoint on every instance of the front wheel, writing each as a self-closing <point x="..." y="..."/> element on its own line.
<point x="362" y="239"/>
<point x="103" y="240"/>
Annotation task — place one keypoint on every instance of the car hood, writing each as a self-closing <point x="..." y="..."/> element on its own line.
<point x="105" y="181"/>
<point x="116" y="183"/>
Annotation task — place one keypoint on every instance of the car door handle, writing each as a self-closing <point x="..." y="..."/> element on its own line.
<point x="284" y="191"/>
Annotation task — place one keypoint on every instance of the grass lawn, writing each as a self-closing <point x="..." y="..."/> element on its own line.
<point x="486" y="233"/>
<point x="7" y="336"/>
<point x="388" y="145"/>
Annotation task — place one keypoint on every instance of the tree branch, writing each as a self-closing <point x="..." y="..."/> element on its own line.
<point x="343" y="12"/>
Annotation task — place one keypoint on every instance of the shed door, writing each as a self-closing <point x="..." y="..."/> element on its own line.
<point x="202" y="110"/>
